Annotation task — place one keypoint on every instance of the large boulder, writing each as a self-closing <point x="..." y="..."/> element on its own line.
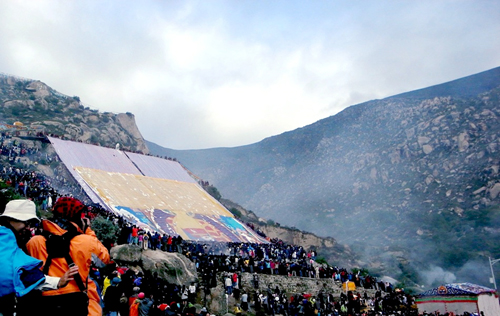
<point x="495" y="190"/>
<point x="172" y="267"/>
<point x="39" y="88"/>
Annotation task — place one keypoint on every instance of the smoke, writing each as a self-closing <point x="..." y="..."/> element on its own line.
<point x="475" y="271"/>
<point x="437" y="276"/>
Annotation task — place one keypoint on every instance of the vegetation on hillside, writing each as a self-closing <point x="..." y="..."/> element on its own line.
<point x="7" y="193"/>
<point x="105" y="230"/>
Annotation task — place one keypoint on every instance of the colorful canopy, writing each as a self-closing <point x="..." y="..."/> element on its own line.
<point x="457" y="289"/>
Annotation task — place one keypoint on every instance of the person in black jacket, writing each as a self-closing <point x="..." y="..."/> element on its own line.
<point x="112" y="297"/>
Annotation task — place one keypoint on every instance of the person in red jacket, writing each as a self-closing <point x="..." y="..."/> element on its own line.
<point x="69" y="300"/>
<point x="169" y="244"/>
<point x="135" y="235"/>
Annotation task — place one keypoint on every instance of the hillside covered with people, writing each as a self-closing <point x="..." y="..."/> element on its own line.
<point x="222" y="265"/>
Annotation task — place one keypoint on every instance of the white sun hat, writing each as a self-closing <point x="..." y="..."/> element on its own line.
<point x="21" y="210"/>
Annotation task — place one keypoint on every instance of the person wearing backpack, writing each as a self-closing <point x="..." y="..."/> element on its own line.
<point x="69" y="238"/>
<point x="141" y="306"/>
<point x="20" y="273"/>
<point x="134" y="308"/>
<point x="112" y="297"/>
<point x="237" y="310"/>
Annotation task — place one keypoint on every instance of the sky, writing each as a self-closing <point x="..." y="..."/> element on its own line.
<point x="205" y="74"/>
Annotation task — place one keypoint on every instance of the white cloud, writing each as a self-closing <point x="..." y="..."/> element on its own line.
<point x="198" y="74"/>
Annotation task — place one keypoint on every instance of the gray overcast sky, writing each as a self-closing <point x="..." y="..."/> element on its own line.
<point x="202" y="74"/>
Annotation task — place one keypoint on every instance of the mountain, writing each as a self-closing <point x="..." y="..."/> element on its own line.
<point x="42" y="109"/>
<point x="411" y="181"/>
<point x="413" y="177"/>
<point x="29" y="107"/>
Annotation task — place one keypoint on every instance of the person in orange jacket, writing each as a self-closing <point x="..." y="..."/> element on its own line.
<point x="70" y="300"/>
<point x="20" y="275"/>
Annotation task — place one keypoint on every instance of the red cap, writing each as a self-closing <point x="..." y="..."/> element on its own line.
<point x="68" y="207"/>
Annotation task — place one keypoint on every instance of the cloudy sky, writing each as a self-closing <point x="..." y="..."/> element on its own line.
<point x="203" y="74"/>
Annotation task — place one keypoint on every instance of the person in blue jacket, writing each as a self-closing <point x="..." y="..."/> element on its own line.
<point x="20" y="273"/>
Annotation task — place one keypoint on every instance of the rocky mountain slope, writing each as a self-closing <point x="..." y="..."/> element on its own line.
<point x="413" y="177"/>
<point x="42" y="109"/>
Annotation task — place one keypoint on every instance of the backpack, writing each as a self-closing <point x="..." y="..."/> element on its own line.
<point x="134" y="309"/>
<point x="343" y="309"/>
<point x="76" y="303"/>
<point x="58" y="246"/>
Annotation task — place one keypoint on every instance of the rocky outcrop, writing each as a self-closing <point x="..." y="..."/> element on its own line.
<point x="127" y="122"/>
<point x="42" y="109"/>
<point x="172" y="267"/>
<point x="494" y="191"/>
<point x="38" y="88"/>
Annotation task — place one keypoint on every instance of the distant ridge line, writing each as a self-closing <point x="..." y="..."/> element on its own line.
<point x="463" y="87"/>
<point x="53" y="91"/>
<point x="6" y="75"/>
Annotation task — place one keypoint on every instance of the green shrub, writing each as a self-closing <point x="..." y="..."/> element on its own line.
<point x="213" y="192"/>
<point x="104" y="229"/>
<point x="16" y="111"/>
<point x="7" y="193"/>
<point x="235" y="212"/>
<point x="362" y="271"/>
<point x="321" y="260"/>
<point x="94" y="139"/>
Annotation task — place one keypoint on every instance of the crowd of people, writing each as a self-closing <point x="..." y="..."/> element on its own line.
<point x="74" y="282"/>
<point x="24" y="132"/>
<point x="28" y="182"/>
<point x="120" y="290"/>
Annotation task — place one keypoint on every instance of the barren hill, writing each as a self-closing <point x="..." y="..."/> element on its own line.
<point x="413" y="177"/>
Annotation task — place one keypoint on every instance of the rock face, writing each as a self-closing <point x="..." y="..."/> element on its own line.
<point x="39" y="88"/>
<point x="328" y="247"/>
<point x="42" y="109"/>
<point x="127" y="122"/>
<point x="173" y="267"/>
<point x="416" y="171"/>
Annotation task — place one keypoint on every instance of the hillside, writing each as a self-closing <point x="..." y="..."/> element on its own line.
<point x="413" y="177"/>
<point x="42" y="109"/>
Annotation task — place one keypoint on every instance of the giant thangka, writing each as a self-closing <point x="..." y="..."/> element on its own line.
<point x="154" y="193"/>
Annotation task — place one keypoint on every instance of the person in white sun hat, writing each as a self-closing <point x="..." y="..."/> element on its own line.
<point x="21" y="273"/>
